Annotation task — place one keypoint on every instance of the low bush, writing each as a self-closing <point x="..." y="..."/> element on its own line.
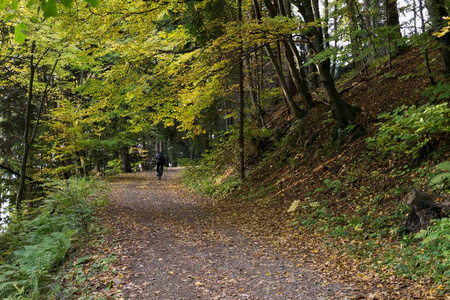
<point x="408" y="131"/>
<point x="39" y="244"/>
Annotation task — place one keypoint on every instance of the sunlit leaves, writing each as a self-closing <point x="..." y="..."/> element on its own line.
<point x="66" y="3"/>
<point x="49" y="8"/>
<point x="30" y="3"/>
<point x="19" y="35"/>
<point x="444" y="30"/>
<point x="92" y="2"/>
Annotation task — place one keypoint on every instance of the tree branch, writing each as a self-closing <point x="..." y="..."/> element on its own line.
<point x="17" y="173"/>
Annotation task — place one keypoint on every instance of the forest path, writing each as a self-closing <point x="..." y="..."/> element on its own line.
<point x="176" y="245"/>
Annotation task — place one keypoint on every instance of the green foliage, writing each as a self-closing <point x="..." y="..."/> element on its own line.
<point x="74" y="280"/>
<point x="441" y="180"/>
<point x="216" y="173"/>
<point x="429" y="258"/>
<point x="434" y="256"/>
<point x="205" y="181"/>
<point x="36" y="245"/>
<point x="335" y="186"/>
<point x="19" y="35"/>
<point x="260" y="194"/>
<point x="409" y="130"/>
<point x="212" y="175"/>
<point x="441" y="91"/>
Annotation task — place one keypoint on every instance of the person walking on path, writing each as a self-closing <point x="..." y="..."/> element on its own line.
<point x="160" y="160"/>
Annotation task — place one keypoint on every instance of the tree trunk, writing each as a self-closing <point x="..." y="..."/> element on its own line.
<point x="293" y="107"/>
<point x="125" y="160"/>
<point x="355" y="41"/>
<point x="437" y="10"/>
<point x="294" y="64"/>
<point x="254" y="93"/>
<point x="343" y="113"/>
<point x="26" y="142"/>
<point x="427" y="61"/>
<point x="241" y="103"/>
<point x="300" y="85"/>
<point x="392" y="20"/>
<point x="424" y="209"/>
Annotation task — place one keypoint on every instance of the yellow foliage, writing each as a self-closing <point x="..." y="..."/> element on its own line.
<point x="444" y="30"/>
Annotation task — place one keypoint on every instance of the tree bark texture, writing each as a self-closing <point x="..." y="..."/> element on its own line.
<point x="241" y="104"/>
<point x="393" y="21"/>
<point x="424" y="208"/>
<point x="437" y="10"/>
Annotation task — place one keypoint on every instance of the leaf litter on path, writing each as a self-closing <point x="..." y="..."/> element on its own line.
<point x="171" y="244"/>
<point x="175" y="245"/>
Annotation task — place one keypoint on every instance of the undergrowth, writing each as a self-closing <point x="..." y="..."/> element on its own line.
<point x="216" y="174"/>
<point x="35" y="244"/>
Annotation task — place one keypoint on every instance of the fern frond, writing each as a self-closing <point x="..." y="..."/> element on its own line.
<point x="445" y="166"/>
<point x="440" y="179"/>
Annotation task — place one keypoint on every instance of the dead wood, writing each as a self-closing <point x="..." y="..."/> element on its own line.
<point x="424" y="208"/>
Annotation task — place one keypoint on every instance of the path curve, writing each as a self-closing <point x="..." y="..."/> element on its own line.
<point x="176" y="245"/>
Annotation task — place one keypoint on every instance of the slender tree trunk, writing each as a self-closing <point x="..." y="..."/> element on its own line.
<point x="393" y="21"/>
<point x="326" y="33"/>
<point x="253" y="90"/>
<point x="26" y="147"/>
<point x="241" y="102"/>
<point x="355" y="41"/>
<point x="300" y="85"/>
<point x="427" y="61"/>
<point x="335" y="25"/>
<point x="415" y="17"/>
<point x="293" y="107"/>
<point x="294" y="64"/>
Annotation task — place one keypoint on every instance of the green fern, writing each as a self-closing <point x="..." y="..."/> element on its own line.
<point x="441" y="181"/>
<point x="39" y="244"/>
<point x="445" y="166"/>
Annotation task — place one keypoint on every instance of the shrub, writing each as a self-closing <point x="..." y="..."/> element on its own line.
<point x="408" y="130"/>
<point x="434" y="257"/>
<point x="39" y="244"/>
<point x="216" y="172"/>
<point x="441" y="180"/>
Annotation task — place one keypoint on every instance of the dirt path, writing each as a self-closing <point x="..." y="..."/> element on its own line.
<point x="178" y="246"/>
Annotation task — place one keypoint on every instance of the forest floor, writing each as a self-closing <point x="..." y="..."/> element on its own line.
<point x="171" y="244"/>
